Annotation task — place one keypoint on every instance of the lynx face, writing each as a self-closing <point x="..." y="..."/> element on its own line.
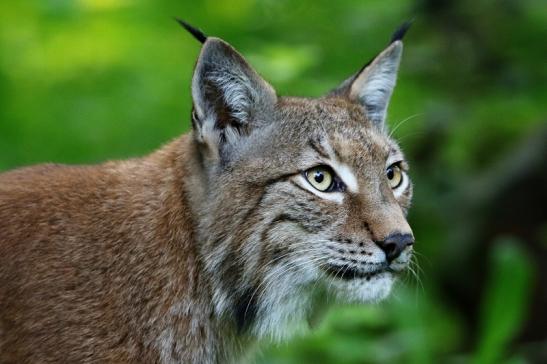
<point x="299" y="195"/>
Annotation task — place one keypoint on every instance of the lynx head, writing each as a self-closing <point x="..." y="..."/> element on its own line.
<point x="299" y="195"/>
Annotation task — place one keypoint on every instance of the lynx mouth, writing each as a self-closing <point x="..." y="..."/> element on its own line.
<point x="347" y="273"/>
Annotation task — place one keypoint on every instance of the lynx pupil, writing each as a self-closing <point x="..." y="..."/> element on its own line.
<point x="390" y="173"/>
<point x="319" y="176"/>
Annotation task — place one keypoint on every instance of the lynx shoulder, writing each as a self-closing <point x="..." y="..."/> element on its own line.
<point x="220" y="237"/>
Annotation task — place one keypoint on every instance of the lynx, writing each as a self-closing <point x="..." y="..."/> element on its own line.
<point x="221" y="237"/>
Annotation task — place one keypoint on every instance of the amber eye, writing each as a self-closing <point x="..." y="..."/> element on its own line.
<point x="394" y="175"/>
<point x="320" y="177"/>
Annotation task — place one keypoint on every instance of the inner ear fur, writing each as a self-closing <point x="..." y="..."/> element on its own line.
<point x="227" y="94"/>
<point x="373" y="85"/>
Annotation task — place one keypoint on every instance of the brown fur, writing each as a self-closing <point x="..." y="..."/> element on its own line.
<point x="93" y="258"/>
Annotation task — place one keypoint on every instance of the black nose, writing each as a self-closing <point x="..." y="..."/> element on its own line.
<point x="394" y="244"/>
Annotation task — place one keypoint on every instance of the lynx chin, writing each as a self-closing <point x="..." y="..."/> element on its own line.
<point x="220" y="237"/>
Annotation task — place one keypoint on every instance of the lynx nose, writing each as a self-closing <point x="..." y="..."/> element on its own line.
<point x="394" y="244"/>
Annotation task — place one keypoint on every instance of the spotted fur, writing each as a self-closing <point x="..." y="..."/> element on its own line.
<point x="189" y="254"/>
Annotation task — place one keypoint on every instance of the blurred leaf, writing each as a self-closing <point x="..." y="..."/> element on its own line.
<point x="505" y="300"/>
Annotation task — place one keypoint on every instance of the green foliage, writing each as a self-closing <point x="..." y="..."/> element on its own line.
<point x="505" y="300"/>
<point x="411" y="328"/>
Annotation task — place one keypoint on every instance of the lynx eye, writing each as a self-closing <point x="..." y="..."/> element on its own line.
<point x="320" y="177"/>
<point x="394" y="176"/>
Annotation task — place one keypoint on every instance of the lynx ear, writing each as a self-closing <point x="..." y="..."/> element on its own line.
<point x="228" y="97"/>
<point x="373" y="85"/>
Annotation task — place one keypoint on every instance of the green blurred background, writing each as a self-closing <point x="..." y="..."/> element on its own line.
<point x="83" y="81"/>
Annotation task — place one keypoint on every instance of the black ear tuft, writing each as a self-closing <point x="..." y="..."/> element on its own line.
<point x="401" y="31"/>
<point x="198" y="34"/>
